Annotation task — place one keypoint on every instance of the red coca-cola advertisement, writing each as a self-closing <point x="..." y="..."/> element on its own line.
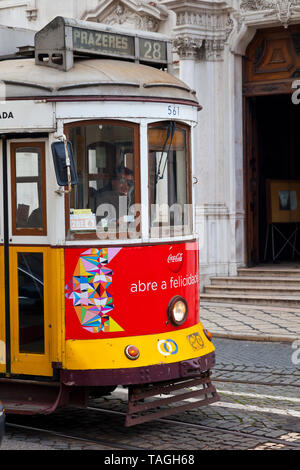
<point x="125" y="291"/>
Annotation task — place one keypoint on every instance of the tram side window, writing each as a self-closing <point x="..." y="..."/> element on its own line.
<point x="28" y="189"/>
<point x="31" y="303"/>
<point x="102" y="202"/>
<point x="169" y="176"/>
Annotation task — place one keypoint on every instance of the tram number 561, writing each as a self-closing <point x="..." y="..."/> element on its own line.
<point x="173" y="110"/>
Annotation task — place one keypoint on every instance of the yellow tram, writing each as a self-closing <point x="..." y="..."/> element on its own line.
<point x="98" y="255"/>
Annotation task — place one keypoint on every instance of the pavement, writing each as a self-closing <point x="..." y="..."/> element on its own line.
<point x="250" y="322"/>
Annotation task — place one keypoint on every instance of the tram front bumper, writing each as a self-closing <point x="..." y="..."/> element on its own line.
<point x="155" y="391"/>
<point x="139" y="375"/>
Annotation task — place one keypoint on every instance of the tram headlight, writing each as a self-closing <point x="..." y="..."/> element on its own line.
<point x="177" y="310"/>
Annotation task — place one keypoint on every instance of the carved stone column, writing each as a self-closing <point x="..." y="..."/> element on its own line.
<point x="202" y="33"/>
<point x="188" y="49"/>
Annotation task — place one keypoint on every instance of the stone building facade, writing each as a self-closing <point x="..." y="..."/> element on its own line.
<point x="211" y="40"/>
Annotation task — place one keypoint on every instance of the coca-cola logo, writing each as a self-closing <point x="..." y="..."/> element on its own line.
<point x="175" y="261"/>
<point x="175" y="258"/>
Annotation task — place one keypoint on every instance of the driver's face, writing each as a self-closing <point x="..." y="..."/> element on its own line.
<point x="120" y="184"/>
<point x="129" y="179"/>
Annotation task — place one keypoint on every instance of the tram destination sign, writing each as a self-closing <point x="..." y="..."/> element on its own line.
<point x="56" y="44"/>
<point x="103" y="42"/>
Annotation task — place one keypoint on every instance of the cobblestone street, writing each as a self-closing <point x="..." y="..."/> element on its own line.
<point x="258" y="382"/>
<point x="250" y="322"/>
<point x="259" y="407"/>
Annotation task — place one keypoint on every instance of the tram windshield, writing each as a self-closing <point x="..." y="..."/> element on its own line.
<point x="104" y="155"/>
<point x="170" y="209"/>
<point x="106" y="200"/>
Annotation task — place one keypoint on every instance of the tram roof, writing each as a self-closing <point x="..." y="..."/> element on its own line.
<point x="91" y="77"/>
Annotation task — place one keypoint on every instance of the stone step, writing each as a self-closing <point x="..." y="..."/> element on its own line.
<point x="242" y="290"/>
<point x="270" y="272"/>
<point x="278" y="301"/>
<point x="245" y="281"/>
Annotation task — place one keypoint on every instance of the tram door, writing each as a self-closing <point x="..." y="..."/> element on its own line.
<point x="25" y="261"/>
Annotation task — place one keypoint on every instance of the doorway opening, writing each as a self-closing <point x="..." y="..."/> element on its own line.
<point x="272" y="146"/>
<point x="277" y="129"/>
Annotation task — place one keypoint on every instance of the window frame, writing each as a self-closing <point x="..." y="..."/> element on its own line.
<point x="14" y="146"/>
<point x="187" y="128"/>
<point x="137" y="169"/>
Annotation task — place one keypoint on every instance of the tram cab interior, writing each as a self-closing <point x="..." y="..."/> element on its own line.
<point x="97" y="229"/>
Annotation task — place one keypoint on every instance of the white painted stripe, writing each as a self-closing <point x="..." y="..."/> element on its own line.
<point x="259" y="396"/>
<point x="276" y="411"/>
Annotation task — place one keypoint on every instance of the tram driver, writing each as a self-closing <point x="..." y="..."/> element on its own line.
<point x="112" y="203"/>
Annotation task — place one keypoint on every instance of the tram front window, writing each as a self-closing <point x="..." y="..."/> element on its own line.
<point x="169" y="173"/>
<point x="106" y="193"/>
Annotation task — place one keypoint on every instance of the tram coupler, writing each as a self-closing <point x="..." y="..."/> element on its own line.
<point x="164" y="396"/>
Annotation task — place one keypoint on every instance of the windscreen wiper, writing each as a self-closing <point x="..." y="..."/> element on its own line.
<point x="170" y="134"/>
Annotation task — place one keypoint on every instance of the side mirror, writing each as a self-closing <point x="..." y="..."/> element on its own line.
<point x="60" y="163"/>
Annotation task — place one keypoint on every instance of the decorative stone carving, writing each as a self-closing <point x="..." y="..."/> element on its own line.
<point x="228" y="26"/>
<point x="206" y="24"/>
<point x="187" y="47"/>
<point x="213" y="49"/>
<point x="134" y="14"/>
<point x="284" y="10"/>
<point x="254" y="14"/>
<point x="123" y="15"/>
<point x="249" y="5"/>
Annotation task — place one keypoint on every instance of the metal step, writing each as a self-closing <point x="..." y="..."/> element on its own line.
<point x="140" y="411"/>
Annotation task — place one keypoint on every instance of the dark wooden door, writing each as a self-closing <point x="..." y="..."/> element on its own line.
<point x="270" y="66"/>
